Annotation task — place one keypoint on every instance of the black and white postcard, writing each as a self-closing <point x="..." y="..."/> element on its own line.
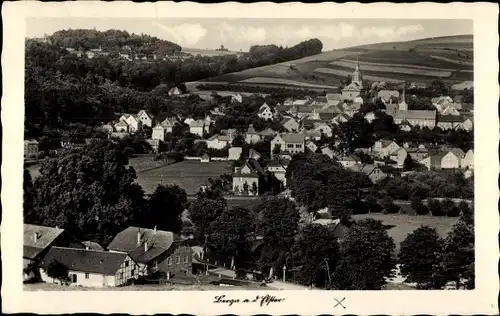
<point x="250" y="158"/>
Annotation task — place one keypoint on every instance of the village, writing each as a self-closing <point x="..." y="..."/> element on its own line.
<point x="302" y="126"/>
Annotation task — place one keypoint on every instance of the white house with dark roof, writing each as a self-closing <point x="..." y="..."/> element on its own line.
<point x="468" y="160"/>
<point x="37" y="241"/>
<point x="91" y="268"/>
<point x="385" y="147"/>
<point x="246" y="178"/>
<point x="251" y="136"/>
<point x="292" y="143"/>
<point x="278" y="168"/>
<point x="121" y="127"/>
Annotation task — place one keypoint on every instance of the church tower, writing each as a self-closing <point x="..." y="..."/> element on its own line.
<point x="402" y="104"/>
<point x="356" y="76"/>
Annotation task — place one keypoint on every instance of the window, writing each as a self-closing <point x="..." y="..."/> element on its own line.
<point x="289" y="145"/>
<point x="155" y="264"/>
<point x="73" y="278"/>
<point x="169" y="261"/>
<point x="298" y="145"/>
<point x="132" y="272"/>
<point x="87" y="276"/>
<point x="186" y="259"/>
<point x="178" y="260"/>
<point x="126" y="263"/>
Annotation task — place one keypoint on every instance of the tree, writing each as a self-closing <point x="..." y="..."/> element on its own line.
<point x="389" y="206"/>
<point x="458" y="257"/>
<point x="278" y="224"/>
<point x="238" y="140"/>
<point x="438" y="88"/>
<point x="165" y="207"/>
<point x="90" y="192"/>
<point x="314" y="253"/>
<point x="366" y="257"/>
<point x="230" y="234"/>
<point x="28" y="194"/>
<point x="420" y="258"/>
<point x="203" y="212"/>
<point x="418" y="206"/>
<point x="58" y="271"/>
<point x="372" y="204"/>
<point x="435" y="207"/>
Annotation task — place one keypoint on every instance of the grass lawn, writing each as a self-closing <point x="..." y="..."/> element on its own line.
<point x="189" y="175"/>
<point x="401" y="225"/>
<point x="152" y="287"/>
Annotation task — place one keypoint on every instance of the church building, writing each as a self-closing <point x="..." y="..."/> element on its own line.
<point x="353" y="90"/>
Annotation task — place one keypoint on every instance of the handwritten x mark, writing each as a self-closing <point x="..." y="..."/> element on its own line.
<point x="339" y="302"/>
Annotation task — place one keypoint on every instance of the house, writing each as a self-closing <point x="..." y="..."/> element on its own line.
<point x="246" y="178"/>
<point x="451" y="109"/>
<point x="399" y="156"/>
<point x="452" y="159"/>
<point x="205" y="158"/>
<point x="373" y="172"/>
<point x="37" y="240"/>
<point x="237" y="98"/>
<point x="265" y="112"/>
<point x="450" y="122"/>
<point x="311" y="146"/>
<point x="197" y="127"/>
<point x="347" y="160"/>
<point x="219" y="141"/>
<point x="422" y="118"/>
<point x="291" y="143"/>
<point x="154" y="143"/>
<point x="188" y="121"/>
<point x="278" y="169"/>
<point x="334" y="98"/>
<point x="385" y="147"/>
<point x="320" y="101"/>
<point x="91" y="268"/>
<point x="147" y="119"/>
<point x="254" y="154"/>
<point x="290" y="124"/>
<point x="326" y="150"/>
<point x="159" y="132"/>
<point x="109" y="127"/>
<point x="134" y="123"/>
<point x="353" y="90"/>
<point x="268" y="132"/>
<point x="467" y="124"/>
<point x="234" y="153"/>
<point x="174" y="91"/>
<point x="30" y="148"/>
<point x="323" y="128"/>
<point x="251" y="136"/>
<point x="417" y="154"/>
<point x="468" y="160"/>
<point x="121" y="127"/>
<point x="341" y="118"/>
<point x="154" y="250"/>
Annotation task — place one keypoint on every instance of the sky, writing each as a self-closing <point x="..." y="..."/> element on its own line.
<point x="239" y="34"/>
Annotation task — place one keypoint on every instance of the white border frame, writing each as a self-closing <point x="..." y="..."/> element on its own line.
<point x="482" y="300"/>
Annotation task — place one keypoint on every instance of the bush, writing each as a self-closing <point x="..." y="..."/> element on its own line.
<point x="389" y="206"/>
<point x="418" y="206"/>
<point x="241" y="274"/>
<point x="435" y="207"/>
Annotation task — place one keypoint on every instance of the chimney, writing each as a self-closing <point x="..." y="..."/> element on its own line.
<point x="86" y="247"/>
<point x="138" y="238"/>
<point x="35" y="236"/>
<point x="155" y="229"/>
<point x="145" y="246"/>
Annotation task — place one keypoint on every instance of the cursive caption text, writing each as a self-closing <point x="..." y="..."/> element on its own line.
<point x="262" y="300"/>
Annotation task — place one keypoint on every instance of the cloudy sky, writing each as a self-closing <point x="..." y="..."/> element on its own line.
<point x="240" y="34"/>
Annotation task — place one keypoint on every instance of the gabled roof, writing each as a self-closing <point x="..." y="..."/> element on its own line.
<point x="321" y="99"/>
<point x="458" y="152"/>
<point x="251" y="130"/>
<point x="89" y="261"/>
<point x="197" y="123"/>
<point x="293" y="137"/>
<point x="334" y="97"/>
<point x="267" y="132"/>
<point x="121" y="123"/>
<point x="285" y="120"/>
<point x="222" y="138"/>
<point x="415" y="115"/>
<point x="44" y="237"/>
<point x="126" y="240"/>
<point x="450" y="118"/>
<point x="253" y="152"/>
<point x="368" y="168"/>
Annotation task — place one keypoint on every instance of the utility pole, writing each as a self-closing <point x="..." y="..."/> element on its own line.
<point x="329" y="276"/>
<point x="205" y="254"/>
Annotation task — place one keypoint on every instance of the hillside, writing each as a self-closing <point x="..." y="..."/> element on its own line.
<point x="448" y="58"/>
<point x="112" y="40"/>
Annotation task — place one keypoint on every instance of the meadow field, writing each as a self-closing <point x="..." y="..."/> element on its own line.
<point x="208" y="52"/>
<point x="401" y="225"/>
<point x="449" y="58"/>
<point x="189" y="175"/>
